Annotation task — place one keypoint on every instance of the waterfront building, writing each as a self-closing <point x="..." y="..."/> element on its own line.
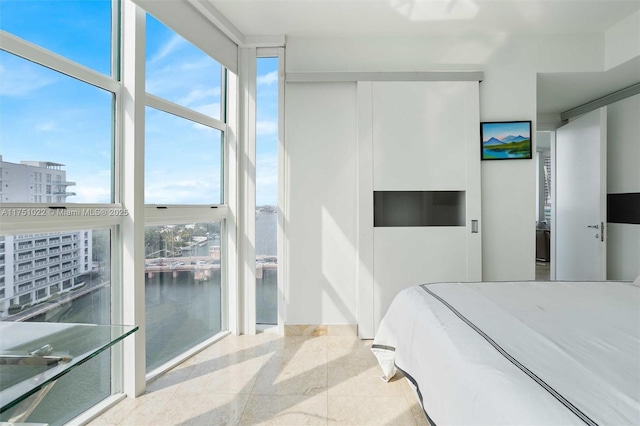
<point x="33" y="182"/>
<point x="36" y="267"/>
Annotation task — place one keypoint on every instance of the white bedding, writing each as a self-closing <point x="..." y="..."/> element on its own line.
<point x="518" y="352"/>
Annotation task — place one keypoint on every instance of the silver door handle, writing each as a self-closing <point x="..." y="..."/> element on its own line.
<point x="593" y="226"/>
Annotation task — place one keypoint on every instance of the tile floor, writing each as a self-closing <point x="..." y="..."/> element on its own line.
<point x="543" y="271"/>
<point x="268" y="379"/>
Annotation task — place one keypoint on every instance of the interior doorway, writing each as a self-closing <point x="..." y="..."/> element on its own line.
<point x="543" y="205"/>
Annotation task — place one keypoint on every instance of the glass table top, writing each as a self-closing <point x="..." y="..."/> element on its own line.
<point x="35" y="354"/>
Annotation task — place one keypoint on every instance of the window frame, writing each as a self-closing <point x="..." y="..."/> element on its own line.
<point x="25" y="224"/>
<point x="282" y="279"/>
<point x="175" y="214"/>
<point x="126" y="83"/>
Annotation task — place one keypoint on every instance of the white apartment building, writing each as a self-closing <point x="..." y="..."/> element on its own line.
<point x="35" y="267"/>
<point x="33" y="182"/>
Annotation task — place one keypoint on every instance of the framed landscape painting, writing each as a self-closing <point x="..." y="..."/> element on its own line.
<point x="504" y="140"/>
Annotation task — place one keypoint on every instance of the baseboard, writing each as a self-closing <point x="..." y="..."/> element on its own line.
<point x="321" y="330"/>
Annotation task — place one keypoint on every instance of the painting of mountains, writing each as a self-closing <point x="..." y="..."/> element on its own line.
<point x="502" y="140"/>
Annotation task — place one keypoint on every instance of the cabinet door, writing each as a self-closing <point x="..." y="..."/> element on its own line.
<point x="424" y="139"/>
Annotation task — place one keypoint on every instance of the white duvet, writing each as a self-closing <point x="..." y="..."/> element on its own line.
<point x="520" y="353"/>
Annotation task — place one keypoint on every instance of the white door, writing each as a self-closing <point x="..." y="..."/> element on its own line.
<point x="421" y="137"/>
<point x="581" y="197"/>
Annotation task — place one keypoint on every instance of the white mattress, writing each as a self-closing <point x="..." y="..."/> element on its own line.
<point x="518" y="352"/>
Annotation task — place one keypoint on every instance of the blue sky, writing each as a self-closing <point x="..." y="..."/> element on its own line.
<point x="47" y="116"/>
<point x="502" y="130"/>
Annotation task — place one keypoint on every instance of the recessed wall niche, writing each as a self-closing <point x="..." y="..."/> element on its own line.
<point x="418" y="208"/>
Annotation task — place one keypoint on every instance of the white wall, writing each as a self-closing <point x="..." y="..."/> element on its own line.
<point x="623" y="176"/>
<point x="508" y="92"/>
<point x="622" y="41"/>
<point x="321" y="182"/>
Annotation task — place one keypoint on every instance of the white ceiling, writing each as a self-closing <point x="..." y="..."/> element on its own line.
<point x="419" y="17"/>
<point x="557" y="92"/>
<point x="560" y="92"/>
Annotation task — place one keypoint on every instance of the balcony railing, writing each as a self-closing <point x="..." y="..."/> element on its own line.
<point x="24" y="278"/>
<point x="21" y="288"/>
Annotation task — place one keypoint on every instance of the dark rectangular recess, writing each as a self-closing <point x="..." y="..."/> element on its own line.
<point x="624" y="208"/>
<point x="418" y="208"/>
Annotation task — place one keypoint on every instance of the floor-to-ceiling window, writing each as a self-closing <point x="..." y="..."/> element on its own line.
<point x="58" y="92"/>
<point x="266" y="244"/>
<point x="184" y="168"/>
<point x="63" y="161"/>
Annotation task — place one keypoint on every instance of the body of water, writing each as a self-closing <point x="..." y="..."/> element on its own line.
<point x="180" y="313"/>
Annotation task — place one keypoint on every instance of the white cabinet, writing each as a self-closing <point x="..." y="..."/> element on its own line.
<point x="416" y="138"/>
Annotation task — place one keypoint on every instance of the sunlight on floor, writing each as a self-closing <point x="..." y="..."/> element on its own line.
<point x="275" y="380"/>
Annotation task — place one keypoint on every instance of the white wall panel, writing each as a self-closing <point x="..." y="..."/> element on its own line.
<point x="623" y="150"/>
<point x="321" y="137"/>
<point x="623" y="251"/>
<point x="623" y="176"/>
<point x="419" y="136"/>
<point x="508" y="186"/>
<point x="425" y="138"/>
<point x="409" y="256"/>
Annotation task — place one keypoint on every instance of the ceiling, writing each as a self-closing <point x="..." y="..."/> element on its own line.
<point x="557" y="92"/>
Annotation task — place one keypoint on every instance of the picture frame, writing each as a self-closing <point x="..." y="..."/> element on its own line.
<point x="505" y="140"/>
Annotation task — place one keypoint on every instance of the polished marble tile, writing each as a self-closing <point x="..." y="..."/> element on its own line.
<point x="289" y="347"/>
<point x="269" y="379"/>
<point x="365" y="410"/>
<point x="292" y="376"/>
<point x="228" y="376"/>
<point x="361" y="377"/>
<point x="285" y="410"/>
<point x="417" y="411"/>
<point x="351" y="347"/>
<point x="202" y="409"/>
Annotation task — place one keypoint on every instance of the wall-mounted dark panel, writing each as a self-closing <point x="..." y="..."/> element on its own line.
<point x="624" y="208"/>
<point x="418" y="208"/>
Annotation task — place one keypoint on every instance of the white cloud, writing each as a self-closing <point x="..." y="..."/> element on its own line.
<point x="177" y="81"/>
<point x="22" y="80"/>
<point x="268" y="79"/>
<point x="180" y="192"/>
<point x="90" y="194"/>
<point x="212" y="109"/>
<point x="174" y="43"/>
<point x="197" y="95"/>
<point x="46" y="126"/>
<point x="264" y="128"/>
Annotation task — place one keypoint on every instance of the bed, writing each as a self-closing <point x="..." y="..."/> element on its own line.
<point x="534" y="353"/>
